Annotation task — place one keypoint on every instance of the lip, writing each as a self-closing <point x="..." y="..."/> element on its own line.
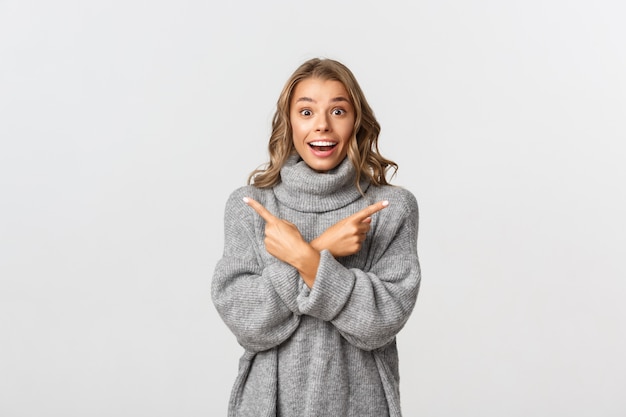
<point x="322" y="142"/>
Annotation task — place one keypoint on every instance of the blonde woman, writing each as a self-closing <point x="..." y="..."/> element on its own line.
<point x="320" y="268"/>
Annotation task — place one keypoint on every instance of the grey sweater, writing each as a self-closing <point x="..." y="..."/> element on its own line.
<point x="329" y="350"/>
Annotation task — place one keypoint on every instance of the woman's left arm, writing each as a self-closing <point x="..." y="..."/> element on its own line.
<point x="370" y="307"/>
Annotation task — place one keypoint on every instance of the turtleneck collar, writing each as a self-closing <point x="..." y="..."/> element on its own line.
<point x="306" y="190"/>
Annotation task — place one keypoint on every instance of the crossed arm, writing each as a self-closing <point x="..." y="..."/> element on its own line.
<point x="262" y="302"/>
<point x="284" y="241"/>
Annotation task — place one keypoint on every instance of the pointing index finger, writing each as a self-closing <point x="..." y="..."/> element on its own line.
<point x="258" y="207"/>
<point x="369" y="210"/>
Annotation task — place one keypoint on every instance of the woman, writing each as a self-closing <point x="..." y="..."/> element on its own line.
<point x="320" y="268"/>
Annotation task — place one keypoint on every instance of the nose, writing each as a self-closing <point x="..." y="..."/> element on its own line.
<point x="323" y="124"/>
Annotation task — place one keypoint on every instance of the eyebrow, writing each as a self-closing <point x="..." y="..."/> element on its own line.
<point x="334" y="100"/>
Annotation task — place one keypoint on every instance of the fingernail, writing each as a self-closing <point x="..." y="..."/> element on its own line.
<point x="385" y="203"/>
<point x="246" y="200"/>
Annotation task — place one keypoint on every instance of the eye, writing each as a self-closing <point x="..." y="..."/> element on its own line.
<point x="306" y="112"/>
<point x="338" y="112"/>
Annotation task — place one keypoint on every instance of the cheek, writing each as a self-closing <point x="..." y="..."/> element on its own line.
<point x="297" y="127"/>
<point x="347" y="130"/>
<point x="296" y="132"/>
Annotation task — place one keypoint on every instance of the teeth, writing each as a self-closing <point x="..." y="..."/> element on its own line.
<point x="322" y="143"/>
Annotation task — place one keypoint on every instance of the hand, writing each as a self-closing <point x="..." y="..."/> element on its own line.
<point x="346" y="237"/>
<point x="284" y="241"/>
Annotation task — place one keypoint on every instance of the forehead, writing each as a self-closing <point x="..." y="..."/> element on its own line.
<point x="317" y="89"/>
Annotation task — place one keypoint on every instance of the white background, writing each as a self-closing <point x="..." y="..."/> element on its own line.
<point x="124" y="125"/>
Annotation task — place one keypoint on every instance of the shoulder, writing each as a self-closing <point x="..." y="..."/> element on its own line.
<point x="259" y="194"/>
<point x="400" y="199"/>
<point x="400" y="219"/>
<point x="235" y="206"/>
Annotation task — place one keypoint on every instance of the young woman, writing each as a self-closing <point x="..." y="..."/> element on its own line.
<point x="320" y="269"/>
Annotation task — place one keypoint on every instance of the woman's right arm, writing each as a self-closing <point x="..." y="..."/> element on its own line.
<point x="254" y="294"/>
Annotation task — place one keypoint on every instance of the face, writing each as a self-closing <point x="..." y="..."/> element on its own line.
<point x="322" y="118"/>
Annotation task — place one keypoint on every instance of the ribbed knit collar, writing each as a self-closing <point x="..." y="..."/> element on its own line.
<point x="306" y="190"/>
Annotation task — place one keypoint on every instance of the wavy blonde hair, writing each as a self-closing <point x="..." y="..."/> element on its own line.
<point x="363" y="147"/>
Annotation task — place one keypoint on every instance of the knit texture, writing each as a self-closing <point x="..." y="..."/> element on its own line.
<point x="329" y="350"/>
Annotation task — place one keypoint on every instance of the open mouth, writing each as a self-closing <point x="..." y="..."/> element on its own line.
<point x="322" y="145"/>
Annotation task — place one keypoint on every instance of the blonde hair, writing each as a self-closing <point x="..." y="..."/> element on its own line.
<point x="363" y="147"/>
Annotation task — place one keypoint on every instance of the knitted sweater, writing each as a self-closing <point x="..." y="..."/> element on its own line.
<point x="329" y="350"/>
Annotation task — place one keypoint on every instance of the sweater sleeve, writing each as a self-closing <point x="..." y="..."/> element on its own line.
<point x="254" y="295"/>
<point x="369" y="307"/>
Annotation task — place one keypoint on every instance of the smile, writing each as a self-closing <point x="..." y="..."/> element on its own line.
<point x="322" y="145"/>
